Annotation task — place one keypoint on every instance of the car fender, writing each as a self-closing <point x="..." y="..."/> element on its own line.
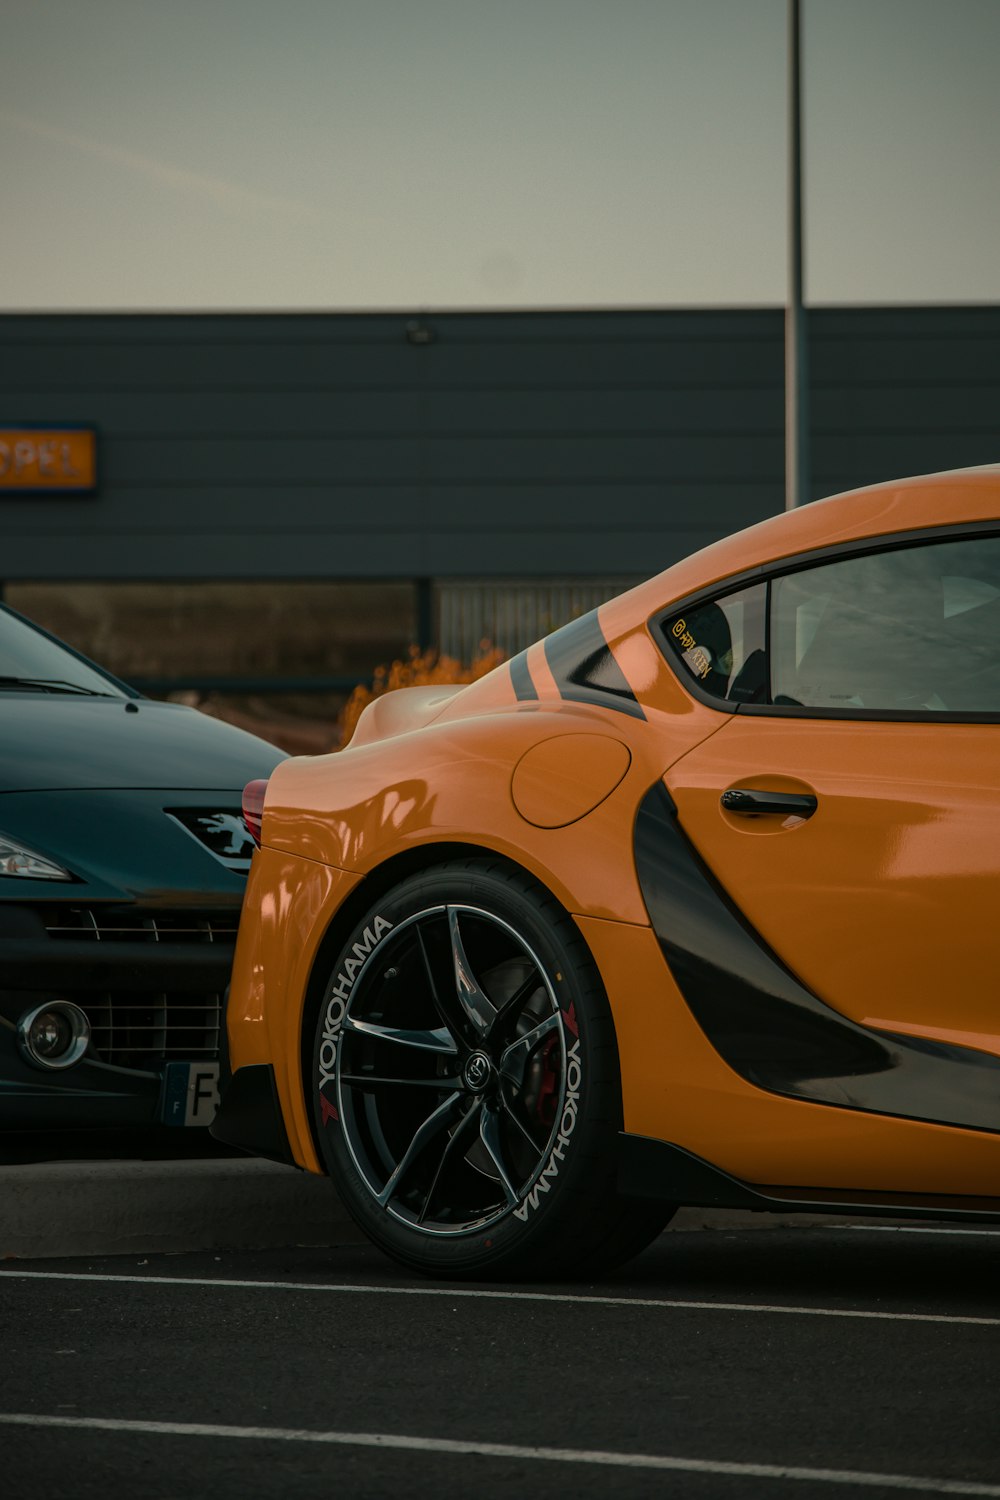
<point x="471" y="781"/>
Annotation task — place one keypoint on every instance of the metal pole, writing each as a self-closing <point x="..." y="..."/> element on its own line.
<point x="796" y="346"/>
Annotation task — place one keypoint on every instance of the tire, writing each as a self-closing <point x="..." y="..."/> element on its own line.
<point x="466" y="1086"/>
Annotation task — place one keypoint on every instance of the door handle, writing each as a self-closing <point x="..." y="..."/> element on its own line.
<point x="747" y="800"/>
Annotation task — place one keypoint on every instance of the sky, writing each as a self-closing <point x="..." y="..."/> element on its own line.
<point x="342" y="155"/>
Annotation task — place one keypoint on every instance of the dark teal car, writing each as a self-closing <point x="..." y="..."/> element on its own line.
<point x="123" y="857"/>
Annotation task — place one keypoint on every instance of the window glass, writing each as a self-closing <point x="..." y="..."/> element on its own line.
<point x="720" y="645"/>
<point x="914" y="629"/>
<point x="28" y="659"/>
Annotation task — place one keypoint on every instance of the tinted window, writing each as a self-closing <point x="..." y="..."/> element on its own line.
<point x="720" y="645"/>
<point x="27" y="655"/>
<point x="914" y="629"/>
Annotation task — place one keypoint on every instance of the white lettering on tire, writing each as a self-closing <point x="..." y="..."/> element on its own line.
<point x="336" y="1008"/>
<point x="567" y="1124"/>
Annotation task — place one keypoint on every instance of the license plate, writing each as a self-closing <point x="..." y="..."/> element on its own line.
<point x="190" y="1093"/>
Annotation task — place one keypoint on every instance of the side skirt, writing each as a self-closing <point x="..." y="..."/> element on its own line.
<point x="654" y="1169"/>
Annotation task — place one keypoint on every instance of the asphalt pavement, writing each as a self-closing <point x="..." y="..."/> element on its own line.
<point x="216" y="1326"/>
<point x="63" y="1208"/>
<point x="126" y="1205"/>
<point x="824" y="1360"/>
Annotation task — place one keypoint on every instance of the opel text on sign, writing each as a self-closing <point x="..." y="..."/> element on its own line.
<point x="48" y="458"/>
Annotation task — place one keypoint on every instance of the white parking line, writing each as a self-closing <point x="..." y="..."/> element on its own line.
<point x="683" y="1304"/>
<point x="392" y="1441"/>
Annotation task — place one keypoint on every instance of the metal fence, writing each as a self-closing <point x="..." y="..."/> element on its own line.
<point x="511" y="615"/>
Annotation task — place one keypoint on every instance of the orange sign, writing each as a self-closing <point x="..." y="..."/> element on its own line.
<point x="48" y="458"/>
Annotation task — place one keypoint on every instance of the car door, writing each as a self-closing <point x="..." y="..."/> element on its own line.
<point x="847" y="817"/>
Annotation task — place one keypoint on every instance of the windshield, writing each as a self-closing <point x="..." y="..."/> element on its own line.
<point x="32" y="661"/>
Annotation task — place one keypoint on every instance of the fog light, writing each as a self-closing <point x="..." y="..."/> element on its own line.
<point x="55" y="1035"/>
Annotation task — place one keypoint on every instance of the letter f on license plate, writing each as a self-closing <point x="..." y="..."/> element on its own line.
<point x="190" y="1093"/>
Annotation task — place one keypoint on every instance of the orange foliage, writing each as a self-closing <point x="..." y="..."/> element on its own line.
<point x="420" y="669"/>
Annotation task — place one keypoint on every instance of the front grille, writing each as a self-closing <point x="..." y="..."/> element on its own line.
<point x="142" y="1029"/>
<point x="125" y="924"/>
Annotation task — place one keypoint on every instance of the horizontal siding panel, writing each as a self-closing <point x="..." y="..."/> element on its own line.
<point x="199" y="365"/>
<point x="586" y="458"/>
<point x="149" y="331"/>
<point x="885" y="456"/>
<point x="913" y="324"/>
<point x="902" y="362"/>
<point x="941" y="408"/>
<point x="371" y="554"/>
<point x="219" y="367"/>
<point x="254" y="329"/>
<point x="344" y="510"/>
<point x="279" y="414"/>
<point x="510" y="445"/>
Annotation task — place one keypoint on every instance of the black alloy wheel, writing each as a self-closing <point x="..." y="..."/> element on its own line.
<point x="466" y="1082"/>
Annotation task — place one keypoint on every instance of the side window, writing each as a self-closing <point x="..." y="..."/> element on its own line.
<point x="913" y="629"/>
<point x="720" y="645"/>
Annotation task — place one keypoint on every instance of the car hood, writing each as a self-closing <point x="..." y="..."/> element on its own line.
<point x="62" y="743"/>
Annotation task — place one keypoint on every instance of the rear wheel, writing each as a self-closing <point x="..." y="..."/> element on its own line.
<point x="466" y="1083"/>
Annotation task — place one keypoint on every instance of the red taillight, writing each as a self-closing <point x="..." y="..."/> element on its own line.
<point x="253" y="807"/>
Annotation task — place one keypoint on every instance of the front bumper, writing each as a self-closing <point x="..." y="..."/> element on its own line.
<point x="151" y="985"/>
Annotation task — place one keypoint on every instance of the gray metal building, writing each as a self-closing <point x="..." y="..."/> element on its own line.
<point x="471" y="454"/>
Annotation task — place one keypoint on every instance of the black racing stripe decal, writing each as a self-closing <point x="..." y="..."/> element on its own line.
<point x="767" y="1025"/>
<point x="524" y="688"/>
<point x="585" y="670"/>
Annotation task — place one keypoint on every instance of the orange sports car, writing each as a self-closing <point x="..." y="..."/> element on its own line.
<point x="695" y="901"/>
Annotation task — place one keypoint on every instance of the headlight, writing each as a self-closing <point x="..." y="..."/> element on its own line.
<point x="16" y="859"/>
